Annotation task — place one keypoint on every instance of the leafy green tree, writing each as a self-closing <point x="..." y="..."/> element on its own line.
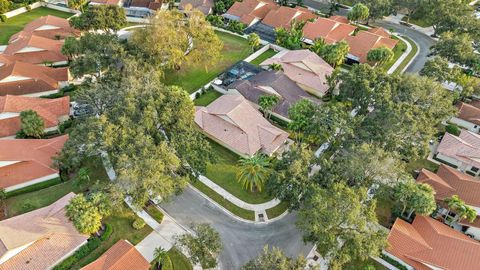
<point x="100" y="17"/>
<point x="171" y="40"/>
<point x="32" y="124"/>
<point x="301" y="114"/>
<point x="334" y="54"/>
<point x="290" y="39"/>
<point x="253" y="41"/>
<point x="87" y="212"/>
<point x="289" y="180"/>
<point x="204" y="245"/>
<point x="462" y="210"/>
<point x="414" y="197"/>
<point x="82" y="177"/>
<point x="77" y="4"/>
<point x="221" y="6"/>
<point x="343" y="224"/>
<point x="457" y="48"/>
<point x="4" y="6"/>
<point x="267" y="103"/>
<point x="359" y="12"/>
<point x="411" y="6"/>
<point x="377" y="9"/>
<point x="333" y="6"/>
<point x="215" y="20"/>
<point x="380" y="55"/>
<point x="451" y="16"/>
<point x="275" y="66"/>
<point x="438" y="69"/>
<point x="274" y="258"/>
<point x="253" y="172"/>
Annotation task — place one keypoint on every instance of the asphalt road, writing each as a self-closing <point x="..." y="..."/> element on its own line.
<point x="424" y="42"/>
<point x="241" y="241"/>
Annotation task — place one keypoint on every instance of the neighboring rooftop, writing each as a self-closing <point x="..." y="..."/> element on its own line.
<point x="328" y="29"/>
<point x="35" y="49"/>
<point x="50" y="110"/>
<point x="24" y="160"/>
<point x="231" y="120"/>
<point x="464" y="148"/>
<point x="106" y="2"/>
<point x="250" y="11"/>
<point x="305" y="68"/>
<point x="49" y="26"/>
<point x="150" y="4"/>
<point x="39" y="239"/>
<point x="205" y="6"/>
<point x="364" y="41"/>
<point x="283" y="16"/>
<point x="122" y="255"/>
<point x="468" y="113"/>
<point x="430" y="242"/>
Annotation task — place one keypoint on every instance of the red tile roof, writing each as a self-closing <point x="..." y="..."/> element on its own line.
<point x="330" y="30"/>
<point x="150" y="4"/>
<point x="50" y="110"/>
<point x="35" y="79"/>
<point x="32" y="157"/>
<point x="39" y="49"/>
<point x="427" y="241"/>
<point x="121" y="256"/>
<point x="364" y="41"/>
<point x="340" y="19"/>
<point x="249" y="10"/>
<point x="106" y="2"/>
<point x="468" y="113"/>
<point x="284" y="16"/>
<point x="49" y="27"/>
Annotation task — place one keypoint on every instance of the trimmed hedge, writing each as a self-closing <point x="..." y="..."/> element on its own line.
<point x="452" y="129"/>
<point x="81" y="253"/>
<point x="393" y="262"/>
<point x="35" y="187"/>
<point x="106" y="234"/>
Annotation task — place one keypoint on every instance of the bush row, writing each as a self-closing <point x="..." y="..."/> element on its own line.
<point x="35" y="187"/>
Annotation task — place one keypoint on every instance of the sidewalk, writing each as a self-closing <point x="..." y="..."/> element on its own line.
<point x="397" y="19"/>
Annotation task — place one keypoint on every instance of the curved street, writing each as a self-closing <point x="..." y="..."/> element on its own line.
<point x="241" y="241"/>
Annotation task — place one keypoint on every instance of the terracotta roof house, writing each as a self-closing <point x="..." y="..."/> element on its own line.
<point x="284" y="16"/>
<point x="275" y="83"/>
<point x="122" y="255"/>
<point x="106" y="2"/>
<point x="331" y="31"/>
<point x="468" y="117"/>
<point x="24" y="162"/>
<point x="250" y="12"/>
<point x="39" y="239"/>
<point x="20" y="78"/>
<point x="30" y="48"/>
<point x="462" y="151"/>
<point x="150" y="4"/>
<point x="364" y="41"/>
<point x="340" y="19"/>
<point x="52" y="112"/>
<point x="305" y="68"/>
<point x="48" y="27"/>
<point x="231" y="121"/>
<point x="448" y="182"/>
<point x="205" y="6"/>
<point x="429" y="244"/>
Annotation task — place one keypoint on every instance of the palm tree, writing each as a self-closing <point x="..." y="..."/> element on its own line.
<point x="267" y="103"/>
<point x="159" y="256"/>
<point x="462" y="210"/>
<point x="253" y="172"/>
<point x="275" y="67"/>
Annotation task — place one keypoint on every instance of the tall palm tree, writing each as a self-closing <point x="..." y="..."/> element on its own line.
<point x="159" y="256"/>
<point x="253" y="172"/>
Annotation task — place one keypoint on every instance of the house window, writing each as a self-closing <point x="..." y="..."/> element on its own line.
<point x="474" y="169"/>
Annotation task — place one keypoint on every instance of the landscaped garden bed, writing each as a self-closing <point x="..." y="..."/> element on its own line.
<point x="153" y="211"/>
<point x="264" y="56"/>
<point x="179" y="261"/>
<point x="15" y="24"/>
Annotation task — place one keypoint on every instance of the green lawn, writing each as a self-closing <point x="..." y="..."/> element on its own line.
<point x="121" y="229"/>
<point x="384" y="206"/>
<point x="179" y="261"/>
<point x="153" y="211"/>
<point x="421" y="163"/>
<point x="16" y="23"/>
<point x="207" y="98"/>
<point x="191" y="78"/>
<point x="33" y="200"/>
<point x="397" y="52"/>
<point x="277" y="210"/>
<point x="264" y="56"/>
<point x="361" y="265"/>
<point x="409" y="56"/>
<point x="417" y="20"/>
<point x="223" y="172"/>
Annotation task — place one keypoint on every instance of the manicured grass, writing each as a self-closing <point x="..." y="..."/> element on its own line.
<point x="153" y="211"/>
<point x="223" y="172"/>
<point x="207" y="98"/>
<point x="16" y="23"/>
<point x="191" y="78"/>
<point x="361" y="265"/>
<point x="421" y="163"/>
<point x="264" y="56"/>
<point x="179" y="261"/>
<point x="277" y="210"/>
<point x="409" y="56"/>
<point x="121" y="229"/>
<point x="397" y="52"/>
<point x="240" y="212"/>
<point x="417" y="20"/>
<point x="33" y="200"/>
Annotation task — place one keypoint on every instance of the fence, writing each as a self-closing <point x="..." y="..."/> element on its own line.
<point x="35" y="5"/>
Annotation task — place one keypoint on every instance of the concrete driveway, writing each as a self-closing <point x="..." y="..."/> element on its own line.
<point x="241" y="241"/>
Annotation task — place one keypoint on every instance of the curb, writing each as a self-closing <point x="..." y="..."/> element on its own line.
<point x="413" y="58"/>
<point x="405" y="54"/>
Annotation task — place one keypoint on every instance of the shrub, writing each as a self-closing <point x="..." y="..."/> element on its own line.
<point x="28" y="7"/>
<point x="3" y="18"/>
<point x="65" y="125"/>
<point x="82" y="252"/>
<point x="138" y="224"/>
<point x="34" y="187"/>
<point x="197" y="95"/>
<point x="452" y="129"/>
<point x="106" y="234"/>
<point x="27" y="207"/>
<point x="167" y="263"/>
<point x="393" y="262"/>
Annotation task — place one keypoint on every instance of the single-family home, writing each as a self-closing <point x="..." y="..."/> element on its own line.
<point x="122" y="255"/>
<point x="331" y="30"/>
<point x="249" y="12"/>
<point x="234" y="123"/>
<point x="39" y="239"/>
<point x="106" y="2"/>
<point x="24" y="162"/>
<point x="462" y="151"/>
<point x="48" y="27"/>
<point x="468" y="117"/>
<point x="448" y="182"/>
<point x="20" y="78"/>
<point x="283" y="16"/>
<point x="30" y="48"/>
<point x="52" y="111"/>
<point x="271" y="83"/>
<point x="305" y="68"/>
<point x="364" y="41"/>
<point x="428" y="244"/>
<point x="149" y="4"/>
<point x="205" y="6"/>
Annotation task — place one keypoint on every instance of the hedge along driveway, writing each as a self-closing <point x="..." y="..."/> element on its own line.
<point x="191" y="78"/>
<point x="15" y="24"/>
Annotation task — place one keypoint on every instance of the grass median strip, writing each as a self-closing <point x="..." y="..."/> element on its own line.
<point x="409" y="56"/>
<point x="277" y="210"/>
<point x="240" y="212"/>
